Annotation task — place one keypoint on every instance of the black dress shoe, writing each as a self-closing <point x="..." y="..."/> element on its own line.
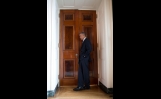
<point x="78" y="89"/>
<point x="86" y="87"/>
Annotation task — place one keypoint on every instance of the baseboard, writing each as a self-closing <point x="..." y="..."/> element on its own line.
<point x="105" y="89"/>
<point x="51" y="93"/>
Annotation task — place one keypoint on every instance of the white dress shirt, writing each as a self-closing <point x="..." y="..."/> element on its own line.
<point x="84" y="39"/>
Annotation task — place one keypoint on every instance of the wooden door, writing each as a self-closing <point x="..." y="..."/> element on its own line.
<point x="87" y="24"/>
<point x="72" y="22"/>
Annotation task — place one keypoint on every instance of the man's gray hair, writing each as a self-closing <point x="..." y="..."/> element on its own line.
<point x="83" y="33"/>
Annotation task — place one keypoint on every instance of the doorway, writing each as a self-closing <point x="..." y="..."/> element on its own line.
<point x="72" y="22"/>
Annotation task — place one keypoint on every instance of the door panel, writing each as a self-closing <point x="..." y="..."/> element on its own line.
<point x="87" y="24"/>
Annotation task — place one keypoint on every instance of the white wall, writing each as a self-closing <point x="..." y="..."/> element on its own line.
<point x="52" y="44"/>
<point x="105" y="43"/>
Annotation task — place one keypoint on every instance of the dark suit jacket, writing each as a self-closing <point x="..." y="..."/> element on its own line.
<point x="86" y="48"/>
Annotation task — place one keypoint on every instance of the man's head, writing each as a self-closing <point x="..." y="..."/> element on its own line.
<point x="82" y="35"/>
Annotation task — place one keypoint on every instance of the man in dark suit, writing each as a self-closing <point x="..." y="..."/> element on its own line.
<point x="84" y="58"/>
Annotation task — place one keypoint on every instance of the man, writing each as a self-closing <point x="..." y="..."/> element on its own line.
<point x="84" y="58"/>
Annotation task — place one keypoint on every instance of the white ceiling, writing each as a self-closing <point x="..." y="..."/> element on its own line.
<point x="79" y="4"/>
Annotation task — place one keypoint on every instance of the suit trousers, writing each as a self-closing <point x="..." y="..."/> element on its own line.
<point x="83" y="73"/>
